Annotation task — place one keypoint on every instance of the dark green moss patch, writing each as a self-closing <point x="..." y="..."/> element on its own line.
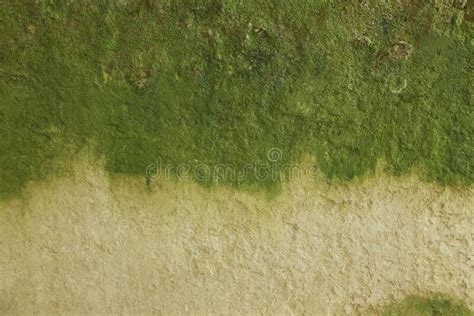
<point x="222" y="82"/>
<point x="437" y="305"/>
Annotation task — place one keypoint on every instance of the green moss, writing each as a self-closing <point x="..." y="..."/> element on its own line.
<point x="223" y="82"/>
<point x="437" y="305"/>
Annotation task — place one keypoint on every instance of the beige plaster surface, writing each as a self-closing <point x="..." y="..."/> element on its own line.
<point x="88" y="244"/>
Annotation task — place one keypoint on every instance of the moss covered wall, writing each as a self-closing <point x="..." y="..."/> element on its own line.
<point x="350" y="86"/>
<point x="222" y="82"/>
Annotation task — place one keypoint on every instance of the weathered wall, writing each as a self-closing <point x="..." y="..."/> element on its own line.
<point x="223" y="82"/>
<point x="206" y="83"/>
<point x="90" y="244"/>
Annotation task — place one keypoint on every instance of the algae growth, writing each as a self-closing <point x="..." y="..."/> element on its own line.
<point x="436" y="305"/>
<point x="223" y="82"/>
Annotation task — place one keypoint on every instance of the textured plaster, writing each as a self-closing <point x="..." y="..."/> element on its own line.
<point x="87" y="243"/>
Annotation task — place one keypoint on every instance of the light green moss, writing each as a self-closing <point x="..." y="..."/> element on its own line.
<point x="223" y="82"/>
<point x="437" y="305"/>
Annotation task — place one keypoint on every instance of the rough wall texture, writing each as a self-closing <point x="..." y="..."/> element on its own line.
<point x="226" y="84"/>
<point x="223" y="82"/>
<point x="91" y="244"/>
